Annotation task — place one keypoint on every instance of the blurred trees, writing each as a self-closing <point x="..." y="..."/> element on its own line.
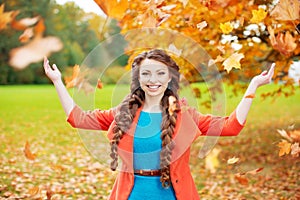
<point x="80" y="32"/>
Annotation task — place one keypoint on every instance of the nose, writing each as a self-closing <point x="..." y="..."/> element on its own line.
<point x="153" y="78"/>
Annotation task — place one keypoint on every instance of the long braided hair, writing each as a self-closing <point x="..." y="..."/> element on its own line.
<point x="169" y="105"/>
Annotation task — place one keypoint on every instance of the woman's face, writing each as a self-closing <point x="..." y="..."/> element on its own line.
<point x="154" y="77"/>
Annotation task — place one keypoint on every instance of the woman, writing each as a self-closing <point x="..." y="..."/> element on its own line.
<point x="152" y="131"/>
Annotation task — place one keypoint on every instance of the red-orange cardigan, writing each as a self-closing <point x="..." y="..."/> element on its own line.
<point x="190" y="124"/>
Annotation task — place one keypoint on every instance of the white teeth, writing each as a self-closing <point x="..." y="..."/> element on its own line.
<point x="153" y="86"/>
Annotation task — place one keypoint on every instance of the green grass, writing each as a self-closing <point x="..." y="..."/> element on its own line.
<point x="34" y="114"/>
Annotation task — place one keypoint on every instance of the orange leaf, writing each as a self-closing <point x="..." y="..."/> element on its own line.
<point x="72" y="80"/>
<point x="233" y="62"/>
<point x="295" y="135"/>
<point x="34" y="51"/>
<point x="5" y="17"/>
<point x="113" y="8"/>
<point x="284" y="43"/>
<point x="250" y="96"/>
<point x="295" y="149"/>
<point x="201" y="25"/>
<point x="99" y="84"/>
<point x="40" y="28"/>
<point x="226" y="27"/>
<point x="241" y="179"/>
<point x="27" y="34"/>
<point x="27" y="152"/>
<point x="286" y="10"/>
<point x="24" y="23"/>
<point x="255" y="171"/>
<point x="285" y="147"/>
<point x="258" y="15"/>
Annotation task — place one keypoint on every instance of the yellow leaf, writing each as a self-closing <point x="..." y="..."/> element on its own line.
<point x="232" y="160"/>
<point x="226" y="27"/>
<point x="5" y="17"/>
<point x="258" y="15"/>
<point x="285" y="147"/>
<point x="212" y="161"/>
<point x="113" y="8"/>
<point x="233" y="62"/>
<point x="286" y="10"/>
<point x="27" y="152"/>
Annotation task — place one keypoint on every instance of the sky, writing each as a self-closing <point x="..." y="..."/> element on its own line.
<point x="86" y="5"/>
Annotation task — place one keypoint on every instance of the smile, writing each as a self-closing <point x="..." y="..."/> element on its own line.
<point x="153" y="86"/>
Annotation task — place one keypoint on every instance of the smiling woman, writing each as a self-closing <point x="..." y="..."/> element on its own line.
<point x="87" y="5"/>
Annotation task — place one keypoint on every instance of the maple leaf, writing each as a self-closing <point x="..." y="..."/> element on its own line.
<point x="295" y="135"/>
<point x="226" y="27"/>
<point x="34" y="51"/>
<point x="258" y="15"/>
<point x="113" y="8"/>
<point x="285" y="135"/>
<point x="284" y="43"/>
<point x="214" y="61"/>
<point x="24" y="23"/>
<point x="5" y="17"/>
<point x="27" y="152"/>
<point x="72" y="81"/>
<point x="285" y="147"/>
<point x="286" y="10"/>
<point x="232" y="160"/>
<point x="233" y="62"/>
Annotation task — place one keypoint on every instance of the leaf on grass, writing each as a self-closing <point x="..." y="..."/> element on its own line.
<point x="255" y="171"/>
<point x="295" y="135"/>
<point x="34" y="51"/>
<point x="27" y="152"/>
<point x="226" y="27"/>
<point x="284" y="43"/>
<point x="258" y="15"/>
<point x="232" y="160"/>
<point x="242" y="179"/>
<point x="285" y="147"/>
<point x="285" y="135"/>
<point x="99" y="84"/>
<point x="295" y="149"/>
<point x="212" y="161"/>
<point x="233" y="62"/>
<point x="286" y="10"/>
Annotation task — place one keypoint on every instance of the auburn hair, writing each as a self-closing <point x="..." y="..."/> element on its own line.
<point x="135" y="100"/>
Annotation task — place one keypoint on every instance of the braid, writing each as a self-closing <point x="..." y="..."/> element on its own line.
<point x="169" y="112"/>
<point x="123" y="120"/>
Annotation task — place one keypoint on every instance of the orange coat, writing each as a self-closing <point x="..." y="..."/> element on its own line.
<point x="190" y="124"/>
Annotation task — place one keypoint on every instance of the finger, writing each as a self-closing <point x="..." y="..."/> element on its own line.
<point x="271" y="71"/>
<point x="54" y="67"/>
<point x="264" y="73"/>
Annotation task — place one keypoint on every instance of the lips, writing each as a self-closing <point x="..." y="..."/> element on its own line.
<point x="153" y="86"/>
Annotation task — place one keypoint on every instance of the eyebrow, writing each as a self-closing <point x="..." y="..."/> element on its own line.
<point x="146" y="70"/>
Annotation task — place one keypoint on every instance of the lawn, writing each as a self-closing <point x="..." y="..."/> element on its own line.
<point x="64" y="169"/>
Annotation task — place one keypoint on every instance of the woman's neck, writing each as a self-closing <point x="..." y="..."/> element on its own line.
<point x="152" y="104"/>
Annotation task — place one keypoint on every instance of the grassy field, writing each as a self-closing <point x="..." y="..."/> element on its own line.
<point x="64" y="169"/>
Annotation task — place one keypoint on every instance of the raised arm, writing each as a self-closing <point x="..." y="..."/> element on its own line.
<point x="55" y="76"/>
<point x="244" y="106"/>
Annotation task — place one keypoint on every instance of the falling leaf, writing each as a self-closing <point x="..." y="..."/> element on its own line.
<point x="174" y="50"/>
<point x="201" y="25"/>
<point x="214" y="61"/>
<point x="113" y="8"/>
<point x="5" y="17"/>
<point x="72" y="81"/>
<point x="27" y="152"/>
<point x="286" y="10"/>
<point x="284" y="134"/>
<point x="24" y="23"/>
<point x="34" y="51"/>
<point x="212" y="161"/>
<point x="284" y="43"/>
<point x="285" y="147"/>
<point x="295" y="149"/>
<point x="99" y="84"/>
<point x="27" y="35"/>
<point x="250" y="96"/>
<point x="232" y="160"/>
<point x="233" y="62"/>
<point x="258" y="15"/>
<point x="226" y="27"/>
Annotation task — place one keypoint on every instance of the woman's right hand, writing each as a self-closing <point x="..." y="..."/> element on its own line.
<point x="53" y="72"/>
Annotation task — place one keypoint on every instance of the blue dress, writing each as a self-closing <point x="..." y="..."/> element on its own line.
<point x="146" y="149"/>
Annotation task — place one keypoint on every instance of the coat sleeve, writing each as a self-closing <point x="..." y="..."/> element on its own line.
<point x="93" y="120"/>
<point x="211" y="125"/>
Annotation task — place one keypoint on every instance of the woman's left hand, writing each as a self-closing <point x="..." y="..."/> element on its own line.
<point x="264" y="78"/>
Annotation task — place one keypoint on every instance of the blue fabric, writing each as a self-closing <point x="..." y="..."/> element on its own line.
<point x="146" y="148"/>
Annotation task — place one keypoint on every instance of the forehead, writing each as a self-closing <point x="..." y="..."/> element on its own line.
<point x="150" y="64"/>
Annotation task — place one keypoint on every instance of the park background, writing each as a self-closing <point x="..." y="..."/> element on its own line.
<point x="42" y="157"/>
